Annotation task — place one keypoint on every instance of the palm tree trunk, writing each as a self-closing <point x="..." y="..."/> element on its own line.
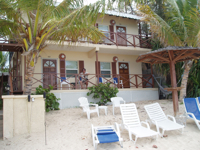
<point x="28" y="80"/>
<point x="188" y="65"/>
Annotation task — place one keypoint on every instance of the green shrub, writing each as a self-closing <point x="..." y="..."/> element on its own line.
<point x="51" y="100"/>
<point x="104" y="92"/>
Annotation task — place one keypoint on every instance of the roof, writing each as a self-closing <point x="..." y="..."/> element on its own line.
<point x="165" y="55"/>
<point x="121" y="14"/>
<point x="117" y="14"/>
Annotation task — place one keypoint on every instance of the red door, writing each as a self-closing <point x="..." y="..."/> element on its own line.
<point x="121" y="36"/>
<point x="49" y="70"/>
<point x="124" y="74"/>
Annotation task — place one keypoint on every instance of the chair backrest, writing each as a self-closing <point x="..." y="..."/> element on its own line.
<point x="130" y="115"/>
<point x="191" y="106"/>
<point x="100" y="80"/>
<point x="62" y="79"/>
<point x="116" y="101"/>
<point x="84" y="103"/>
<point x="155" y="112"/>
<point x="198" y="100"/>
<point x="115" y="80"/>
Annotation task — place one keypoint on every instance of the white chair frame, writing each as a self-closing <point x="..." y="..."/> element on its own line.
<point x="85" y="105"/>
<point x="116" y="101"/>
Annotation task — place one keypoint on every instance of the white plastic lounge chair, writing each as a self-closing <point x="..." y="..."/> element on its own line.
<point x="116" y="102"/>
<point x="131" y="122"/>
<point x="64" y="81"/>
<point x="158" y="117"/>
<point x="192" y="110"/>
<point x="85" y="105"/>
<point x="106" y="134"/>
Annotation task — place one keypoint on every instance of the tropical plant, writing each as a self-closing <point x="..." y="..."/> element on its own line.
<point x="180" y="27"/>
<point x="51" y="102"/>
<point x="32" y="23"/>
<point x="104" y="92"/>
<point x="3" y="61"/>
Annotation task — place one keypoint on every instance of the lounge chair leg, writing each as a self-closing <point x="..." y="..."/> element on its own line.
<point x="130" y="136"/>
<point x="88" y="115"/>
<point x="163" y="132"/>
<point x="135" y="139"/>
<point x="113" y="110"/>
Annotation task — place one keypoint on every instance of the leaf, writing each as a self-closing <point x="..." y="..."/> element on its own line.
<point x="32" y="63"/>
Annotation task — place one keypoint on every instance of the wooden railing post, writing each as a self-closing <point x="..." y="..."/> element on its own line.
<point x="118" y="78"/>
<point x="152" y="76"/>
<point x="51" y="78"/>
<point x="134" y="40"/>
<point x="116" y="39"/>
<point x="136" y="81"/>
<point x="75" y="81"/>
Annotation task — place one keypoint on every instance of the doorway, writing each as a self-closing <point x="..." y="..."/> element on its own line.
<point x="124" y="74"/>
<point x="121" y="36"/>
<point x="49" y="70"/>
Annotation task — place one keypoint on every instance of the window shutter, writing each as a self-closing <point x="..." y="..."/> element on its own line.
<point x="62" y="65"/>
<point x="96" y="25"/>
<point x="114" y="71"/>
<point x="111" y="27"/>
<point x="62" y="68"/>
<point x="81" y="65"/>
<point x="98" y="67"/>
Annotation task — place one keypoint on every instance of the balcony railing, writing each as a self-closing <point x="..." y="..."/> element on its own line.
<point x="133" y="81"/>
<point x="121" y="39"/>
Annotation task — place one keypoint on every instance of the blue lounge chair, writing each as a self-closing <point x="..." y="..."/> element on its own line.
<point x="192" y="110"/>
<point x="106" y="134"/>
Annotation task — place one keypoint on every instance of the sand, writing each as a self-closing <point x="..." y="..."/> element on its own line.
<point x="69" y="129"/>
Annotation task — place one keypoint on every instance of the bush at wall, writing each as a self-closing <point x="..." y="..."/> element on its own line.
<point x="51" y="100"/>
<point x="104" y="92"/>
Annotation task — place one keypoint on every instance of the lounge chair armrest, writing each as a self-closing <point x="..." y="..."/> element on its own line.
<point x="191" y="115"/>
<point x="143" y="122"/>
<point x="124" y="101"/>
<point x="117" y="129"/>
<point x="96" y="105"/>
<point x="172" y="117"/>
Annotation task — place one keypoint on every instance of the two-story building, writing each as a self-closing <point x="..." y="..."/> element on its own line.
<point x="113" y="57"/>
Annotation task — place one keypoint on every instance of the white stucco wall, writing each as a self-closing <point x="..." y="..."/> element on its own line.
<point x="69" y="98"/>
<point x="22" y="117"/>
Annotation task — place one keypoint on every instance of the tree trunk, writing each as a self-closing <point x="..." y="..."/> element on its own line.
<point x="188" y="65"/>
<point x="28" y="80"/>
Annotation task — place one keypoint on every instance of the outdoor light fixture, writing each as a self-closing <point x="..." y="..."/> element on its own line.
<point x="44" y="95"/>
<point x="7" y="88"/>
<point x="29" y="98"/>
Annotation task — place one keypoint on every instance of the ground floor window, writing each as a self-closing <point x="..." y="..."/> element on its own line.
<point x="105" y="69"/>
<point x="71" y="68"/>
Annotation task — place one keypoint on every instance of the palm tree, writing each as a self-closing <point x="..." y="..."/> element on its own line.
<point x="180" y="27"/>
<point x="32" y="23"/>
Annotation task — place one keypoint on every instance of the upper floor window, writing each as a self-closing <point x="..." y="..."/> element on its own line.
<point x="105" y="69"/>
<point x="71" y="68"/>
<point x="104" y="28"/>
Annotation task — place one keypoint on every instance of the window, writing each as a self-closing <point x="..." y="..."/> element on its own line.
<point x="104" y="28"/>
<point x="71" y="68"/>
<point x="105" y="69"/>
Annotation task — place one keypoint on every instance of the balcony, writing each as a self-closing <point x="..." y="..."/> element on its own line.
<point x="120" y="39"/>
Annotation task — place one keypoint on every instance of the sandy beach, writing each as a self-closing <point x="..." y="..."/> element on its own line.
<point x="69" y="129"/>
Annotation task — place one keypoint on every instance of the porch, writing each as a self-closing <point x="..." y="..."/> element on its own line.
<point x="72" y="82"/>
